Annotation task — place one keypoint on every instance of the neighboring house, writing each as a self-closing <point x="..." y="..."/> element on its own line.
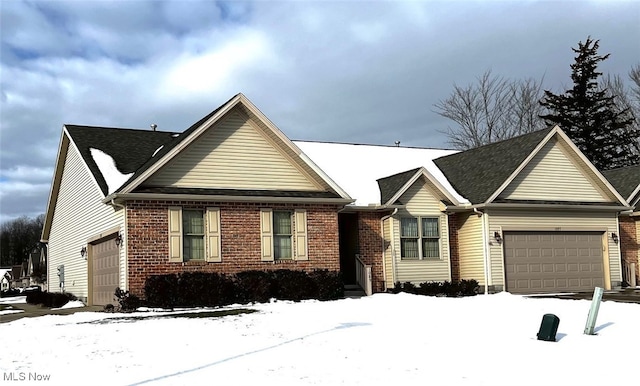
<point x="20" y="276"/>
<point x="37" y="267"/>
<point x="529" y="214"/>
<point x="627" y="181"/>
<point x="5" y="279"/>
<point x="233" y="193"/>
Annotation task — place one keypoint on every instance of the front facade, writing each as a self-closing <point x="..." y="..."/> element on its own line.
<point x="233" y="193"/>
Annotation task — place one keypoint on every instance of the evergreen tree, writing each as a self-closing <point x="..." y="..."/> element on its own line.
<point x="588" y="114"/>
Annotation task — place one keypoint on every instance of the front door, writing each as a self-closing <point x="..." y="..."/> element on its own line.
<point x="348" y="228"/>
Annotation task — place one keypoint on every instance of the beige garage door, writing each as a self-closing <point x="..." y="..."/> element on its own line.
<point x="105" y="269"/>
<point x="539" y="262"/>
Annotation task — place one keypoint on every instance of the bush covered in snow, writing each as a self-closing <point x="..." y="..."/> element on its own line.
<point x="435" y="288"/>
<point x="50" y="299"/>
<point x="198" y="289"/>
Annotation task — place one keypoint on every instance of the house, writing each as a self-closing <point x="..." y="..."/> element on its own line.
<point x="233" y="193"/>
<point x="529" y="214"/>
<point x="5" y="279"/>
<point x="19" y="276"/>
<point x="37" y="267"/>
<point x="627" y="181"/>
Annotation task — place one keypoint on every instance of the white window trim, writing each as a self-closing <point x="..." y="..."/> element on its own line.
<point x="420" y="238"/>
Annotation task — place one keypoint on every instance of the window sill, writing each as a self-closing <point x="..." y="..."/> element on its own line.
<point x="195" y="262"/>
<point x="432" y="259"/>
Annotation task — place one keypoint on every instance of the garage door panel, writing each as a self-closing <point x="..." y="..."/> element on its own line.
<point x="105" y="271"/>
<point x="553" y="261"/>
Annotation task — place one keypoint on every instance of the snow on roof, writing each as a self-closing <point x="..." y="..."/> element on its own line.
<point x="356" y="168"/>
<point x="157" y="150"/>
<point x="107" y="166"/>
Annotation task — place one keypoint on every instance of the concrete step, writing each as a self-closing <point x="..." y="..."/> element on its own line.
<point x="353" y="291"/>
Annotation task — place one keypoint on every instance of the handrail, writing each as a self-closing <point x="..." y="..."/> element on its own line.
<point x="629" y="273"/>
<point x="363" y="276"/>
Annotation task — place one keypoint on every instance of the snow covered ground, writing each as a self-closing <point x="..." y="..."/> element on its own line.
<point x="379" y="340"/>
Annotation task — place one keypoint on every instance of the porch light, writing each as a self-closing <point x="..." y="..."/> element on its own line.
<point x="498" y="237"/>
<point x="614" y="236"/>
<point x="118" y="240"/>
<point x="83" y="252"/>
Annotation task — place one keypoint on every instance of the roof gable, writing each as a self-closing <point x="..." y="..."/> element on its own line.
<point x="477" y="173"/>
<point x="234" y="153"/>
<point x="259" y="121"/>
<point x="392" y="188"/>
<point x="554" y="175"/>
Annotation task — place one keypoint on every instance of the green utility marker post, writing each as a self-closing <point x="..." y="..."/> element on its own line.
<point x="593" y="311"/>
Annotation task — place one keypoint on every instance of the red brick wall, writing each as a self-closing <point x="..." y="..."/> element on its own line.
<point x="148" y="240"/>
<point x="370" y="242"/>
<point x="454" y="225"/>
<point x="628" y="240"/>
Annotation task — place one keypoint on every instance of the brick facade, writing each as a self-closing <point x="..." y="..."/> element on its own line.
<point x="370" y="246"/>
<point x="148" y="240"/>
<point x="629" y="241"/>
<point x="454" y="255"/>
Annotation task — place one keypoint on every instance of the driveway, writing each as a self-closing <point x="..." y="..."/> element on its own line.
<point x="31" y="310"/>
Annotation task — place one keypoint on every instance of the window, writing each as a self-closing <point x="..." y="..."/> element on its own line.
<point x="282" y="246"/>
<point x="419" y="238"/>
<point x="193" y="235"/>
<point x="283" y="234"/>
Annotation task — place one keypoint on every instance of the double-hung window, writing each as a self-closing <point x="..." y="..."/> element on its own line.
<point x="282" y="237"/>
<point x="194" y="234"/>
<point x="283" y="234"/>
<point x="419" y="238"/>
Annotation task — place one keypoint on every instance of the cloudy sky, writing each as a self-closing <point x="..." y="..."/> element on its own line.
<point x="348" y="71"/>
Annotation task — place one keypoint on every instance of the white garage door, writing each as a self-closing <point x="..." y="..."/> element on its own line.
<point x="105" y="269"/>
<point x="542" y="262"/>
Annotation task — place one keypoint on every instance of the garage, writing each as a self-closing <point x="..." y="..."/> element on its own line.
<point x="105" y="271"/>
<point x="543" y="262"/>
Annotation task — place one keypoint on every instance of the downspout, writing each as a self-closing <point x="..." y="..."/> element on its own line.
<point x="484" y="249"/>
<point x="126" y="236"/>
<point x="393" y="263"/>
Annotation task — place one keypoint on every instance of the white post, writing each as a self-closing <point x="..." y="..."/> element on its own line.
<point x="593" y="311"/>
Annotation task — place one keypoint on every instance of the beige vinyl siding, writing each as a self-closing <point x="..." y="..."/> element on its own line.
<point x="471" y="247"/>
<point x="79" y="216"/>
<point x="388" y="253"/>
<point x="553" y="175"/>
<point x="421" y="201"/>
<point x="234" y="154"/>
<point x="500" y="221"/>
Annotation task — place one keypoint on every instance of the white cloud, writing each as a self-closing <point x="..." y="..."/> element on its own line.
<point x="340" y="71"/>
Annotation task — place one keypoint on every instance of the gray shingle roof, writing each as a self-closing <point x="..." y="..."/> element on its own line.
<point x="477" y="173"/>
<point x="389" y="186"/>
<point x="625" y="179"/>
<point x="129" y="148"/>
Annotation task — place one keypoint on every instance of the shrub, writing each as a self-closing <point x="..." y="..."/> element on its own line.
<point x="127" y="302"/>
<point x="293" y="285"/>
<point x="50" y="299"/>
<point x="329" y="284"/>
<point x="434" y="288"/>
<point x="254" y="286"/>
<point x="161" y="291"/>
<point x="197" y="289"/>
